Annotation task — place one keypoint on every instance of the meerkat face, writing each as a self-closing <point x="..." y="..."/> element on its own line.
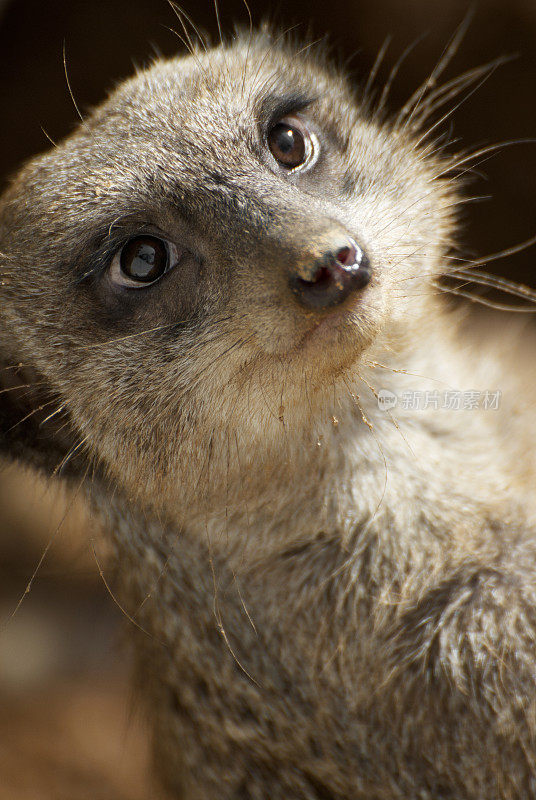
<point x="211" y="252"/>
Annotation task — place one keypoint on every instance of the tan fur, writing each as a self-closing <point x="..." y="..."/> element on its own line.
<point x="333" y="601"/>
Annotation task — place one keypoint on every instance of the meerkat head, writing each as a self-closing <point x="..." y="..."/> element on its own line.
<point x="208" y="257"/>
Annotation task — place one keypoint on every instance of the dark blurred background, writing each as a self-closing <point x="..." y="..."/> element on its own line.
<point x="65" y="733"/>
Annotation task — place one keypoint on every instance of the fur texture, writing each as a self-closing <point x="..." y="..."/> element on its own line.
<point x="334" y="601"/>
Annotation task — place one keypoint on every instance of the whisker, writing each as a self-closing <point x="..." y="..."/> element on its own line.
<point x="52" y="142"/>
<point x="50" y="416"/>
<point x="375" y="364"/>
<point x="218" y="616"/>
<point x="45" y="552"/>
<point x="412" y="105"/>
<point x="455" y="87"/>
<point x="57" y="470"/>
<point x="250" y="40"/>
<point x="455" y="108"/>
<point x="121" y="608"/>
<point x="22" y="386"/>
<point x="495" y="282"/>
<point x="384" y="97"/>
<point x="484" y="301"/>
<point x="489" y="149"/>
<point x="181" y="15"/>
<point x="75" y="104"/>
<point x="29" y="415"/>
<point x="378" y="61"/>
<point x="310" y="45"/>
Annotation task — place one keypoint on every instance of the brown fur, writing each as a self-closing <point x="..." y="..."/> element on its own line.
<point x="333" y="601"/>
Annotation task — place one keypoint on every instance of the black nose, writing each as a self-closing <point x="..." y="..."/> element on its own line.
<point x="326" y="280"/>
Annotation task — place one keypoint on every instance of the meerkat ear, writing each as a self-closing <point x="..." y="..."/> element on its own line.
<point x="34" y="427"/>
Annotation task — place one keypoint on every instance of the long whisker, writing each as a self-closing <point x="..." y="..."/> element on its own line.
<point x="70" y="454"/>
<point x="218" y="616"/>
<point x="455" y="87"/>
<point x="413" y="104"/>
<point x="450" y="181"/>
<point x="375" y="364"/>
<point x="30" y="414"/>
<point x="45" y="552"/>
<point x="59" y="410"/>
<point x="495" y="282"/>
<point x="20" y="387"/>
<point x="384" y="97"/>
<point x="487" y="150"/>
<point x="509" y="251"/>
<point x="75" y="104"/>
<point x="376" y="66"/>
<point x="144" y="332"/>
<point x="116" y="601"/>
<point x="250" y="40"/>
<point x="483" y="301"/>
<point x="455" y="108"/>
<point x="181" y="15"/>
<point x="48" y="137"/>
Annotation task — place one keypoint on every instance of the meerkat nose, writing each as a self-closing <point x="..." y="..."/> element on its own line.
<point x="330" y="274"/>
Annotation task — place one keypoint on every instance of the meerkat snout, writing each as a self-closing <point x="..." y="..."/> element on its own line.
<point x="329" y="278"/>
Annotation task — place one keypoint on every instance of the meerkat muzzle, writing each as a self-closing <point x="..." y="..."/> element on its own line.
<point x="333" y="269"/>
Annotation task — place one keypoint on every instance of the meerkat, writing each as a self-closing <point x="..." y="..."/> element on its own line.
<point x="219" y="312"/>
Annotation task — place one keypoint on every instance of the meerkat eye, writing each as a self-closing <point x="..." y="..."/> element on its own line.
<point x="142" y="261"/>
<point x="292" y="144"/>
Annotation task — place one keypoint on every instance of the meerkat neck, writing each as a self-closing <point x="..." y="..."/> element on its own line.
<point x="355" y="464"/>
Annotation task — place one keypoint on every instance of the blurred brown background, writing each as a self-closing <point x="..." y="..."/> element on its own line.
<point x="65" y="731"/>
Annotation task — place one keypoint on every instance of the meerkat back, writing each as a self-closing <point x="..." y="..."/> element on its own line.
<point x="219" y="308"/>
